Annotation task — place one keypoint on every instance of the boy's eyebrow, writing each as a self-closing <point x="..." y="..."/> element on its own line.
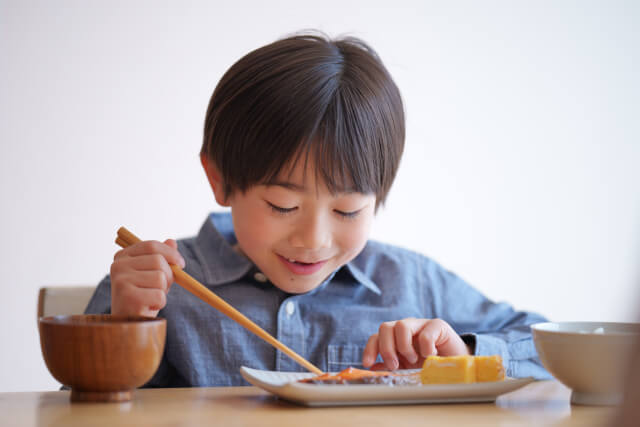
<point x="287" y="185"/>
<point x="301" y="188"/>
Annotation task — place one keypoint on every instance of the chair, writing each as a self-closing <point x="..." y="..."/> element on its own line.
<point x="57" y="300"/>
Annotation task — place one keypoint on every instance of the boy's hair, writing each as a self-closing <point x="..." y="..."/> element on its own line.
<point x="307" y="94"/>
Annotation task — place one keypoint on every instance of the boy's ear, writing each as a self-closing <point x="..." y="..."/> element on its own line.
<point x="215" y="180"/>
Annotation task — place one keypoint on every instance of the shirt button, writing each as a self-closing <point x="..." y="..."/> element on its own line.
<point x="290" y="308"/>
<point x="260" y="277"/>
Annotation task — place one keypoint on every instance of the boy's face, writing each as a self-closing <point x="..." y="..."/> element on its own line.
<point x="296" y="231"/>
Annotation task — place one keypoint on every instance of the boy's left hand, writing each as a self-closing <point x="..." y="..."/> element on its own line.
<point x="404" y="344"/>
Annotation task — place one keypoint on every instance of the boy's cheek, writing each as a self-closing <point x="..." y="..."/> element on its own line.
<point x="359" y="234"/>
<point x="254" y="235"/>
<point x="353" y="242"/>
<point x="356" y="241"/>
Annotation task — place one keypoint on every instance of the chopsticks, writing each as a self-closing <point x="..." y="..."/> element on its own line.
<point x="126" y="238"/>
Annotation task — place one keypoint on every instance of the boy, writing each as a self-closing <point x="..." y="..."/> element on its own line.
<point x="302" y="141"/>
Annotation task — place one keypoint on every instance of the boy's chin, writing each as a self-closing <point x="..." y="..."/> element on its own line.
<point x="297" y="286"/>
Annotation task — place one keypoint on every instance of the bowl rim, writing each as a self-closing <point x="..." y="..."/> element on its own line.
<point x="99" y="319"/>
<point x="543" y="328"/>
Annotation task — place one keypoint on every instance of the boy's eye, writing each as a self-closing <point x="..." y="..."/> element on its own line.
<point x="280" y="210"/>
<point x="348" y="215"/>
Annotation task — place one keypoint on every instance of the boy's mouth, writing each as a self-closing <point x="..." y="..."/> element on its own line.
<point x="300" y="267"/>
<point x="299" y="262"/>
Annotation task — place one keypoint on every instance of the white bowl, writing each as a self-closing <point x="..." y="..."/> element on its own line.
<point x="590" y="358"/>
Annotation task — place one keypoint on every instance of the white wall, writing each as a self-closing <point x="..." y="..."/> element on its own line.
<point x="520" y="171"/>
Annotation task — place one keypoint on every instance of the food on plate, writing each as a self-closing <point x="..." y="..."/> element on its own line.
<point x="450" y="369"/>
<point x="461" y="369"/>
<point x="361" y="376"/>
<point x="489" y="369"/>
<point x="435" y="370"/>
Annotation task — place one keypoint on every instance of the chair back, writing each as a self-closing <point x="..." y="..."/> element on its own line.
<point x="57" y="300"/>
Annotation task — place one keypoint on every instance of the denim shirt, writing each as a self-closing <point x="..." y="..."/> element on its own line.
<point x="330" y="325"/>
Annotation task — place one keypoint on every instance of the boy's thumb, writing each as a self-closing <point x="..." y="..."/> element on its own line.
<point x="174" y="245"/>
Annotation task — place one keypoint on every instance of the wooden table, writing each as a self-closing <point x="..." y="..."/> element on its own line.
<point x="539" y="403"/>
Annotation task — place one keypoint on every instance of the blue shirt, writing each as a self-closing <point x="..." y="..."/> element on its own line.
<point x="330" y="325"/>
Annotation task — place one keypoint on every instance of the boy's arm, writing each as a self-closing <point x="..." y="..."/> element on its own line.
<point x="487" y="327"/>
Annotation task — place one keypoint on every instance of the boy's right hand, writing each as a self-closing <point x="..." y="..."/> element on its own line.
<point x="141" y="277"/>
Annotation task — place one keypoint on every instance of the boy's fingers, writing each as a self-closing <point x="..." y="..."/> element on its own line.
<point x="404" y="331"/>
<point x="118" y="254"/>
<point x="378" y="367"/>
<point x="370" y="351"/>
<point x="438" y="337"/>
<point x="149" y="247"/>
<point x="148" y="263"/>
<point x="153" y="265"/>
<point x="156" y="262"/>
<point x="154" y="279"/>
<point x="427" y="338"/>
<point x="174" y="245"/>
<point x="387" y="345"/>
<point x="148" y="299"/>
<point x="141" y="279"/>
<point x="134" y="300"/>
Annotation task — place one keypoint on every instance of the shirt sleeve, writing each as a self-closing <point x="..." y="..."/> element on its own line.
<point x="488" y="327"/>
<point x="100" y="302"/>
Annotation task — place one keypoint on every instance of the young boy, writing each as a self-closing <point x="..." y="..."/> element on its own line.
<point x="302" y="141"/>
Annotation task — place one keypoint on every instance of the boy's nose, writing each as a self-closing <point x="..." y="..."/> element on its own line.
<point x="311" y="233"/>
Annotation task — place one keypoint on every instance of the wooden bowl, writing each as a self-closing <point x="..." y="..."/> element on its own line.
<point x="101" y="357"/>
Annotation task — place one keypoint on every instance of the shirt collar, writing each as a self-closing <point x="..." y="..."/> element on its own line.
<point x="221" y="263"/>
<point x="362" y="278"/>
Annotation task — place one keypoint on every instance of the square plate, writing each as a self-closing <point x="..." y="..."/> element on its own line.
<point x="285" y="385"/>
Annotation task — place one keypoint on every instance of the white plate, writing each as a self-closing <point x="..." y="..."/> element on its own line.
<point x="285" y="385"/>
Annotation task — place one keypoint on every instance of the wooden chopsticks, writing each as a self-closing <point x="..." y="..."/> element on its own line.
<point x="126" y="238"/>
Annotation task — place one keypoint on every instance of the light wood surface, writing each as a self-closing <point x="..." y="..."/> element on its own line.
<point x="126" y="238"/>
<point x="539" y="403"/>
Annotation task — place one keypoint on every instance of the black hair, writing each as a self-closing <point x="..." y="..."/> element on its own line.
<point x="307" y="94"/>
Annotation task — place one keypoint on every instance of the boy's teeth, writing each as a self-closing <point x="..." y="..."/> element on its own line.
<point x="291" y="260"/>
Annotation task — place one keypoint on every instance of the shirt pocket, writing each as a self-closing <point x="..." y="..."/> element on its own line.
<point x="341" y="357"/>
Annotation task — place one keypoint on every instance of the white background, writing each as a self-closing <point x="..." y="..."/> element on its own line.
<point x="520" y="171"/>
